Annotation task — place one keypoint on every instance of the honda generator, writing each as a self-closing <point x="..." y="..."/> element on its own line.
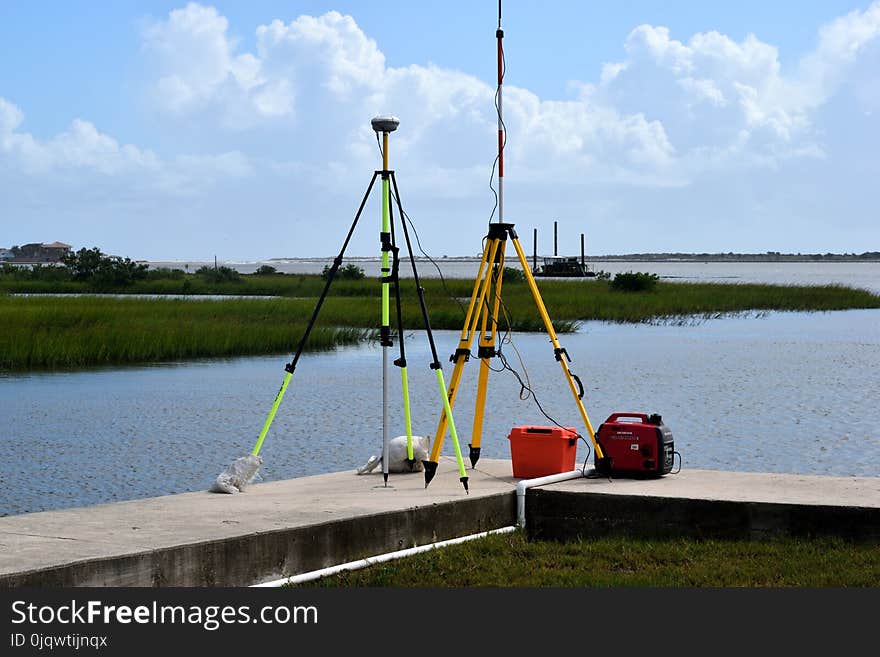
<point x="634" y="445"/>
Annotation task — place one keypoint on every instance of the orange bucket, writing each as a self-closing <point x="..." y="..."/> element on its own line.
<point x="542" y="451"/>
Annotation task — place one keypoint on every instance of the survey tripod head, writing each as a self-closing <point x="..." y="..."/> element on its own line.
<point x="385" y="124"/>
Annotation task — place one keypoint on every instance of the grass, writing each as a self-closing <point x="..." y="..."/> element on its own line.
<point x="509" y="560"/>
<point x="673" y="301"/>
<point x="63" y="332"/>
<point x="57" y="332"/>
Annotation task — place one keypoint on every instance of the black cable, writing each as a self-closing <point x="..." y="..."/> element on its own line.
<point x="420" y="293"/>
<point x="524" y="386"/>
<point x="587" y="457"/>
<point x="492" y="187"/>
<point x="679" y="462"/>
<point x="419" y="241"/>
<point x="400" y="362"/>
<point x="503" y="132"/>
<point x="337" y="261"/>
<point x="430" y="259"/>
<point x="505" y="364"/>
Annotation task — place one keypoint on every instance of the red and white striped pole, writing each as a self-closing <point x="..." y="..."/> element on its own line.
<point x="499" y="34"/>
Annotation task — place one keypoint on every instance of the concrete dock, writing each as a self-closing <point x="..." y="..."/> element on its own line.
<point x="281" y="528"/>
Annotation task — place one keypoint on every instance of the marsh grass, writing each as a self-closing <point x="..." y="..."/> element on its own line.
<point x="57" y="332"/>
<point x="64" y="332"/>
<point x="509" y="560"/>
<point x="673" y="301"/>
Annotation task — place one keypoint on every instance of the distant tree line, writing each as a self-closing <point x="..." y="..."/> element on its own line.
<point x="88" y="265"/>
<point x="102" y="271"/>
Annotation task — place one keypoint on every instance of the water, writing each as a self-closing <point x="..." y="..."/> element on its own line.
<point x="784" y="392"/>
<point x="864" y="275"/>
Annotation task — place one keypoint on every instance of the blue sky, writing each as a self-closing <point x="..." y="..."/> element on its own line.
<point x="167" y="130"/>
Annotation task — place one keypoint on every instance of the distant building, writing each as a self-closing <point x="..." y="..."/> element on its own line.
<point x="6" y="255"/>
<point x="42" y="252"/>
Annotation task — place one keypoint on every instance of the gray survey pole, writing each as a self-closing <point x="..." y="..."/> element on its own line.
<point x="385" y="125"/>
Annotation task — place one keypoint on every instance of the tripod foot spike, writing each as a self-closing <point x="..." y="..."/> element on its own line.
<point x="411" y="463"/>
<point x="464" y="483"/>
<point x="430" y="471"/>
<point x="475" y="455"/>
<point x="385" y="477"/>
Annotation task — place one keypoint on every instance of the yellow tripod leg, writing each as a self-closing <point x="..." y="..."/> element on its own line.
<point x="465" y="341"/>
<point x="479" y="411"/>
<point x="488" y="333"/>
<point x="559" y="352"/>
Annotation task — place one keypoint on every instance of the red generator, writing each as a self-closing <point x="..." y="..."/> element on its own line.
<point x="635" y="445"/>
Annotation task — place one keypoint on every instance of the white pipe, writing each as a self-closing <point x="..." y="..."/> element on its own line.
<point x="521" y="488"/>
<point x="369" y="561"/>
<point x="539" y="481"/>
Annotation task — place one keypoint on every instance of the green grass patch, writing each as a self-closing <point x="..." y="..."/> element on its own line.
<point x="60" y="332"/>
<point x="47" y="332"/>
<point x="585" y="299"/>
<point x="509" y="560"/>
<point x="673" y="301"/>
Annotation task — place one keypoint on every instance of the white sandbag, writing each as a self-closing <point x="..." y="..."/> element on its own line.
<point x="238" y="474"/>
<point x="397" y="461"/>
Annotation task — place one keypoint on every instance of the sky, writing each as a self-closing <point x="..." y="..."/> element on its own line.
<point x="188" y="131"/>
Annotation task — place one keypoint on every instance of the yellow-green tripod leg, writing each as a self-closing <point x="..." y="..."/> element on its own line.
<point x="272" y="412"/>
<point x="406" y="414"/>
<point x="463" y="478"/>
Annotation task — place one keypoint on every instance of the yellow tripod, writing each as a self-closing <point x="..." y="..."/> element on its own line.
<point x="483" y="308"/>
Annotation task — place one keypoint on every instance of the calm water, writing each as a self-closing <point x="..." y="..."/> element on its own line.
<point x="786" y="392"/>
<point x="854" y="274"/>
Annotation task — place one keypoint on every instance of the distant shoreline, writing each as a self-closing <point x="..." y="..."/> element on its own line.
<point x="870" y="257"/>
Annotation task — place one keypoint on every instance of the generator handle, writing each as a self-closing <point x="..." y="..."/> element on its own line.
<point x="641" y="416"/>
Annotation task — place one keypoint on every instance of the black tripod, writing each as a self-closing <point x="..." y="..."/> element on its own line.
<point x="389" y="279"/>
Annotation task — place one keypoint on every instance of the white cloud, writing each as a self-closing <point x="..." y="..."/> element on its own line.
<point x="292" y="114"/>
<point x="197" y="66"/>
<point x="10" y="118"/>
<point x="333" y="44"/>
<point x="734" y="102"/>
<point x="611" y="70"/>
<point x="705" y="77"/>
<point x="83" y="149"/>
<point x="82" y="146"/>
<point x="671" y="109"/>
<point x="331" y="69"/>
<point x="703" y="90"/>
<point x="841" y="42"/>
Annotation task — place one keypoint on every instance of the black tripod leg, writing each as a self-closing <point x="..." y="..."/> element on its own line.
<point x="419" y="291"/>
<point x="337" y="262"/>
<point x="401" y="362"/>
<point x="435" y="365"/>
